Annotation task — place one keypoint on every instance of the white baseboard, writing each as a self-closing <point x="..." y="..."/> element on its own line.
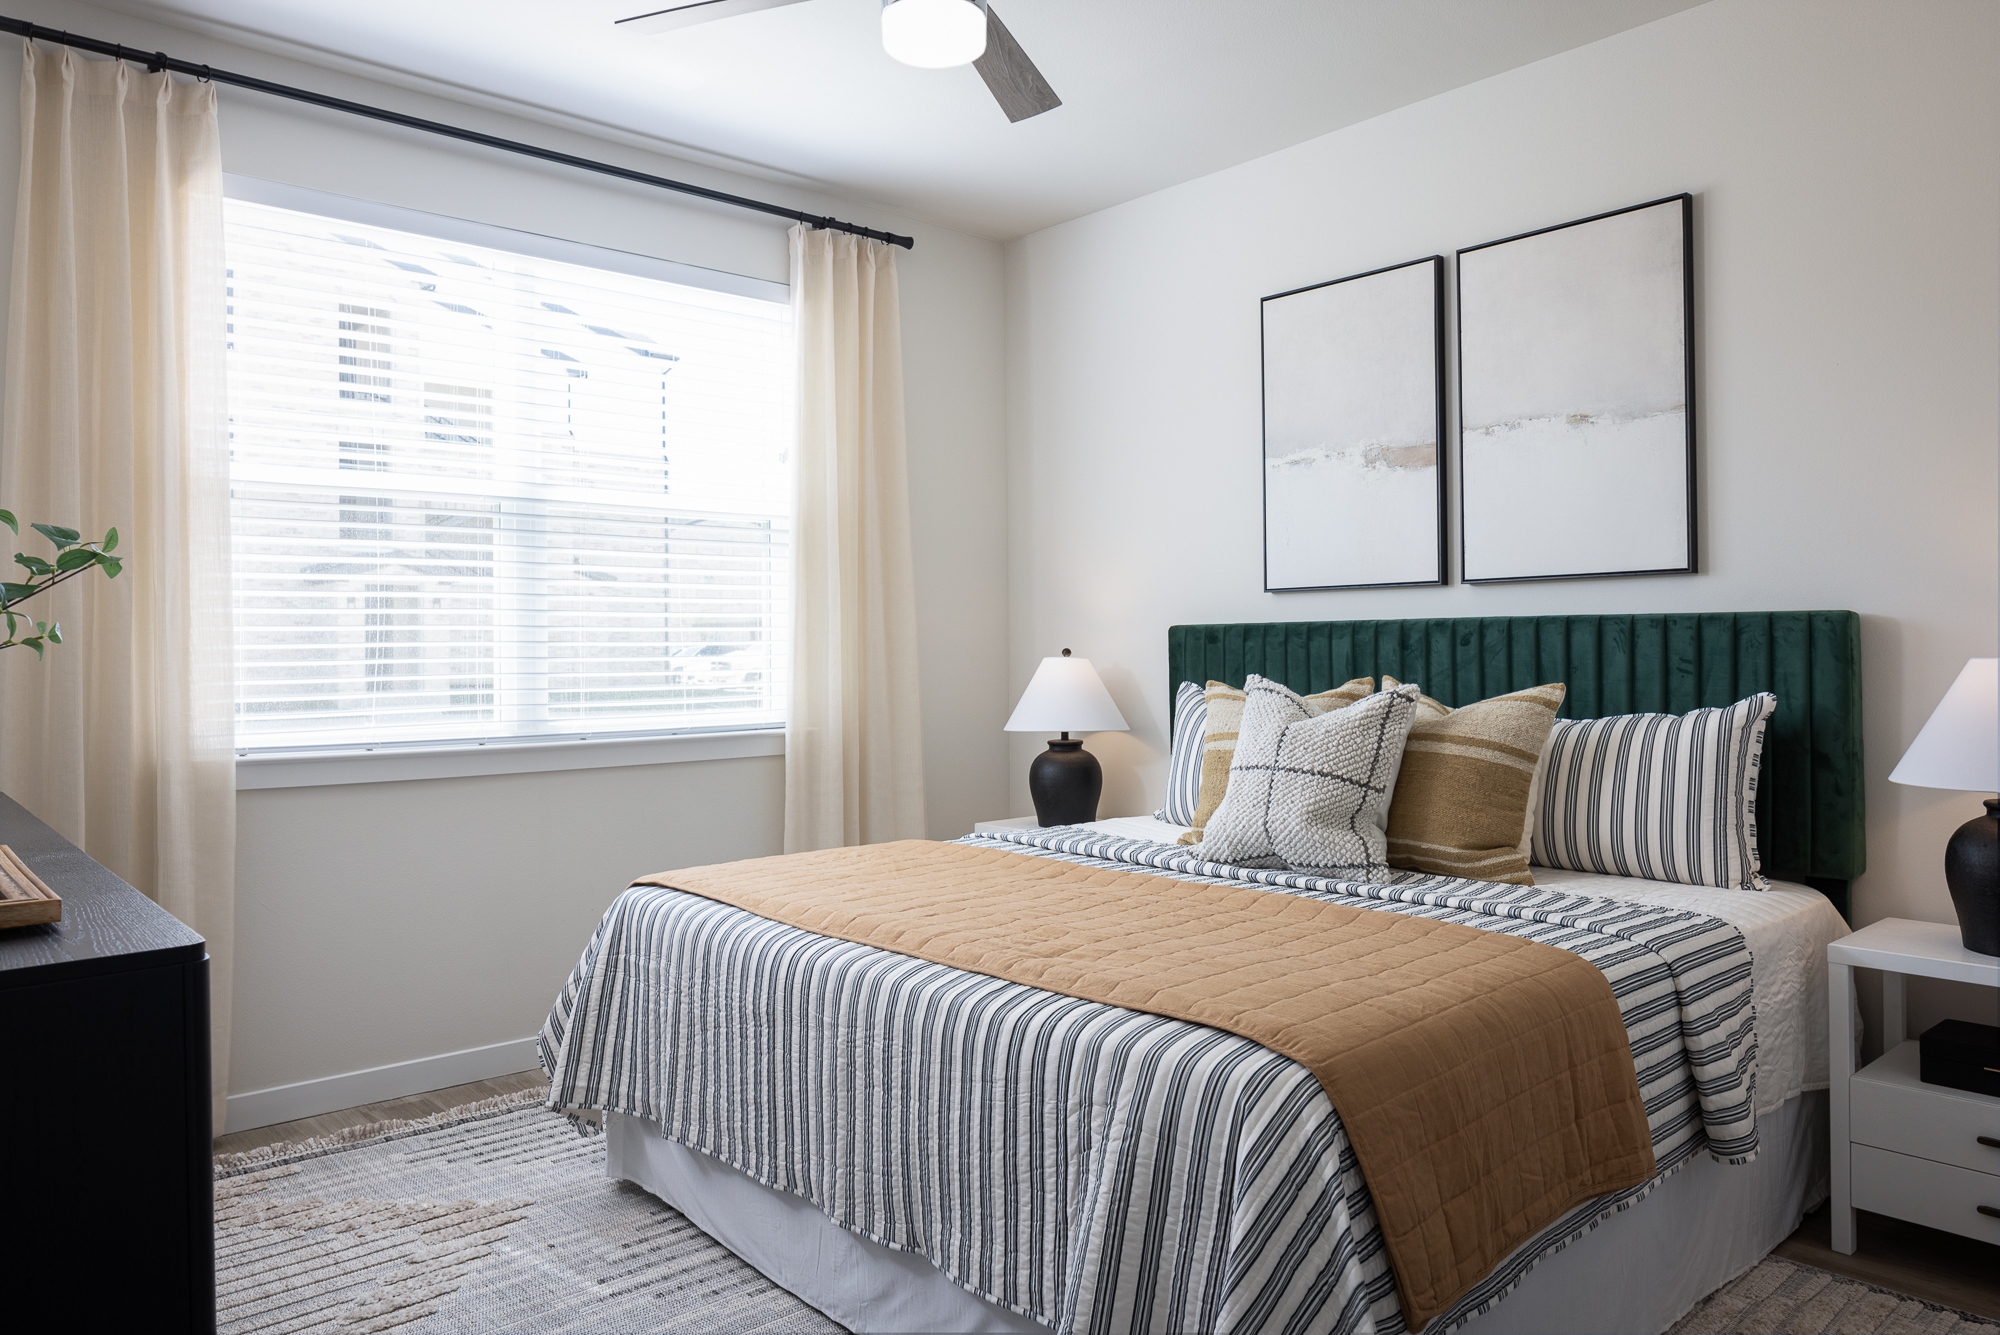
<point x="310" y="1098"/>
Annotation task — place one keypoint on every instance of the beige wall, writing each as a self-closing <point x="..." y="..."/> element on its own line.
<point x="385" y="922"/>
<point x="382" y="923"/>
<point x="1845" y="161"/>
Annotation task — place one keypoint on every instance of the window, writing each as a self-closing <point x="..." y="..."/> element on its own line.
<point x="481" y="494"/>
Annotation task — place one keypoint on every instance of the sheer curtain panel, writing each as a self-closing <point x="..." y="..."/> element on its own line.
<point x="853" y="745"/>
<point x="114" y="416"/>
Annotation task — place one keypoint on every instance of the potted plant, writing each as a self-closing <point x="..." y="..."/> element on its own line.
<point x="73" y="557"/>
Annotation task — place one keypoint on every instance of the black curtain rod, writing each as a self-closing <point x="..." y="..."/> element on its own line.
<point x="159" y="60"/>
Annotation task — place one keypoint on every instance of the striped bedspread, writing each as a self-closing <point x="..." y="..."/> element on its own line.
<point x="1097" y="1169"/>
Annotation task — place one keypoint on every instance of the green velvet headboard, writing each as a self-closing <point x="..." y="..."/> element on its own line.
<point x="1809" y="793"/>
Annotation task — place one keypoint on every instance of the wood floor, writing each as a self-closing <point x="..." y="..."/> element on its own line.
<point x="1925" y="1263"/>
<point x="415" y="1105"/>
<point x="1909" y="1258"/>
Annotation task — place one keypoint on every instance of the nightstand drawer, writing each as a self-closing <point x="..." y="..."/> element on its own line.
<point x="1926" y="1193"/>
<point x="1892" y="1109"/>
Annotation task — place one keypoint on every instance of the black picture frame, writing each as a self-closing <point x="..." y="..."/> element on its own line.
<point x="1434" y="305"/>
<point x="1468" y="483"/>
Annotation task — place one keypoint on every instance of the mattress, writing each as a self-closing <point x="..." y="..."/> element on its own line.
<point x="775" y="1111"/>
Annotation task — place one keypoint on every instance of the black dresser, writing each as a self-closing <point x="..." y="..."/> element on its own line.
<point x="105" y="1173"/>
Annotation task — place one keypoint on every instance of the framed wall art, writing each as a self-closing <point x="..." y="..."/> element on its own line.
<point x="1353" y="419"/>
<point x="1576" y="399"/>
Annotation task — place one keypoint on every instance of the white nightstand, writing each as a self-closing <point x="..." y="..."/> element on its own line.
<point x="1011" y="823"/>
<point x="1901" y="1147"/>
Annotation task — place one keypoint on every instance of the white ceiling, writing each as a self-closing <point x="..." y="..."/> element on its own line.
<point x="1154" y="91"/>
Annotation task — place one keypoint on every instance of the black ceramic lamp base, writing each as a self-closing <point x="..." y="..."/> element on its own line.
<point x="1065" y="782"/>
<point x="1972" y="871"/>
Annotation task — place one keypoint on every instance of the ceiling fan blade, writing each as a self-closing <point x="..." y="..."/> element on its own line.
<point x="687" y="14"/>
<point x="1010" y="76"/>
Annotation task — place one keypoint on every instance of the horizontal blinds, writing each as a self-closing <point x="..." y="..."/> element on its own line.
<point x="479" y="495"/>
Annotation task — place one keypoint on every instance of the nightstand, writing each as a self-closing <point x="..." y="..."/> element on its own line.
<point x="1011" y="823"/>
<point x="1920" y="1152"/>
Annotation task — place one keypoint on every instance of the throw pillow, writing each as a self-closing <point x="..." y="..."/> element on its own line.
<point x="1184" y="758"/>
<point x="1306" y="791"/>
<point x="1660" y="796"/>
<point x="1462" y="801"/>
<point x="1218" y="747"/>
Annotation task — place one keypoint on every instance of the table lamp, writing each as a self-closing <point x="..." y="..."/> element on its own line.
<point x="1065" y="696"/>
<point x="1959" y="748"/>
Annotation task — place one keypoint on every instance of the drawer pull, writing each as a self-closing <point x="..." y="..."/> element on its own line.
<point x="1987" y="1209"/>
<point x="1988" y="1140"/>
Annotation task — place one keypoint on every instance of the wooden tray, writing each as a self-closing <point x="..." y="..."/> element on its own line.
<point x="24" y="900"/>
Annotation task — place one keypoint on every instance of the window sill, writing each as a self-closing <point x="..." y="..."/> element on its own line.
<point x="312" y="769"/>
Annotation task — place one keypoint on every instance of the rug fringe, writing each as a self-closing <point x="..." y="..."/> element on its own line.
<point x="266" y="1156"/>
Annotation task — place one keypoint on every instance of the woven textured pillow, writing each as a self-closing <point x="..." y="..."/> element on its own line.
<point x="1184" y="759"/>
<point x="1224" y="704"/>
<point x="1664" y="797"/>
<point x="1462" y="802"/>
<point x="1306" y="791"/>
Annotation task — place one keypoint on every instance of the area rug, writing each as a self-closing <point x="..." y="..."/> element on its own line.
<point x="1779" y="1297"/>
<point x="495" y="1217"/>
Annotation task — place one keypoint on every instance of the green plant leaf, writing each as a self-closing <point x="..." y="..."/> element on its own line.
<point x="34" y="642"/>
<point x="76" y="558"/>
<point x="14" y="593"/>
<point x="60" y="536"/>
<point x="112" y="565"/>
<point x="35" y="565"/>
<point x="110" y="539"/>
<point x="7" y="518"/>
<point x="41" y="628"/>
<point x="11" y="620"/>
<point x="55" y="632"/>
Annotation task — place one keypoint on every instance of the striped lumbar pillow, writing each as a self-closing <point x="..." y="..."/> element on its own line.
<point x="1184" y="761"/>
<point x="1306" y="790"/>
<point x="1657" y="796"/>
<point x="1467" y="785"/>
<point x="1224" y="706"/>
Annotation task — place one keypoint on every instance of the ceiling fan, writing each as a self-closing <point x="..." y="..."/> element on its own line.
<point x="930" y="34"/>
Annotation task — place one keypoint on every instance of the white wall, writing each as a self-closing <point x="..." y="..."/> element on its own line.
<point x="1845" y="161"/>
<point x="385" y="923"/>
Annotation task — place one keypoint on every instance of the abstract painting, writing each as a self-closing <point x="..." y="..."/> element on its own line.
<point x="1353" y="413"/>
<point x="1576" y="399"/>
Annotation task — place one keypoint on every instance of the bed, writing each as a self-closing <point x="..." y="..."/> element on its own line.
<point x="1211" y="1186"/>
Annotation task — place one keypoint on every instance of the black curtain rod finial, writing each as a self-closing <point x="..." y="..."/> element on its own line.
<point x="160" y="61"/>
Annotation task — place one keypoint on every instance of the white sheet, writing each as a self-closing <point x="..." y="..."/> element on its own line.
<point x="1640" y="1270"/>
<point x="1787" y="928"/>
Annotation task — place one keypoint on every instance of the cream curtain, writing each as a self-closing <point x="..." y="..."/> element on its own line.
<point x="114" y="415"/>
<point x="853" y="747"/>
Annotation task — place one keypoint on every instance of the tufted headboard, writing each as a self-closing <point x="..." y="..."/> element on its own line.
<point x="1809" y="792"/>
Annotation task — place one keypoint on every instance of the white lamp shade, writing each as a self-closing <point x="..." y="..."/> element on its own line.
<point x="1066" y="696"/>
<point x="1959" y="747"/>
<point x="934" y="34"/>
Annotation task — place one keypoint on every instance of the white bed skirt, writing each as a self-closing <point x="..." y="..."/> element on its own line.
<point x="1641" y="1270"/>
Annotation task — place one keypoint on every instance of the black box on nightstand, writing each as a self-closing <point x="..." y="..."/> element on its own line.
<point x="1960" y="1055"/>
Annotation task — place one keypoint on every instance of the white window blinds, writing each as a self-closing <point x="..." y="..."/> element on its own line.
<point x="480" y="495"/>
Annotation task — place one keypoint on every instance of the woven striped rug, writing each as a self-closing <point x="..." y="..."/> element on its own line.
<point x="497" y="1217"/>
<point x="1779" y="1297"/>
<point x="494" y="1217"/>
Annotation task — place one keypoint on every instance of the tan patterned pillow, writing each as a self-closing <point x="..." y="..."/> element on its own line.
<point x="1218" y="743"/>
<point x="1464" y="797"/>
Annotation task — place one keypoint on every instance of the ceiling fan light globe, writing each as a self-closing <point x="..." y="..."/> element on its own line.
<point x="934" y="34"/>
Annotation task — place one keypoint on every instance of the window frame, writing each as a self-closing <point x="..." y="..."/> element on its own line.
<point x="372" y="762"/>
